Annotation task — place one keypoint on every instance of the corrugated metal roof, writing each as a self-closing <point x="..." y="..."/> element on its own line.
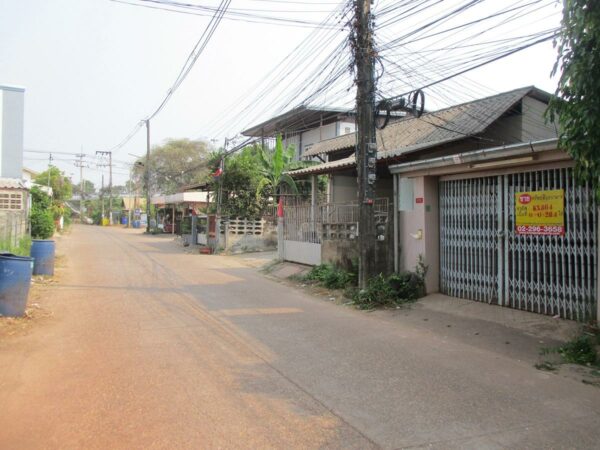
<point x="300" y="118"/>
<point x="446" y="125"/>
<point x="12" y="183"/>
<point x="325" y="167"/>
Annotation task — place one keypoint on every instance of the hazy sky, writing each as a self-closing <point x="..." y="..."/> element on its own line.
<point x="93" y="68"/>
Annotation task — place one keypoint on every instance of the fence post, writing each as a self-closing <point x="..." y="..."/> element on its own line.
<point x="280" y="240"/>
<point x="280" y="237"/>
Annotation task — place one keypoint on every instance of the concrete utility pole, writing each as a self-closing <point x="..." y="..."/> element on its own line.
<point x="366" y="146"/>
<point x="219" y="197"/>
<point x="110" y="188"/>
<point x="147" y="177"/>
<point x="109" y="154"/>
<point x="79" y="164"/>
<point x="102" y="196"/>
<point x="49" y="167"/>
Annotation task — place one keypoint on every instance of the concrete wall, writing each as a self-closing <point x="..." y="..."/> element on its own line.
<point x="12" y="108"/>
<point x="339" y="252"/>
<point x="302" y="252"/>
<point x="343" y="189"/>
<point x="419" y="231"/>
<point x="307" y="138"/>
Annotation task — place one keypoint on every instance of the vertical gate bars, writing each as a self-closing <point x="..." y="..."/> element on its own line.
<point x="553" y="274"/>
<point x="483" y="259"/>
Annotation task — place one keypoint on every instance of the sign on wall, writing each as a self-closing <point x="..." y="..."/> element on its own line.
<point x="540" y="212"/>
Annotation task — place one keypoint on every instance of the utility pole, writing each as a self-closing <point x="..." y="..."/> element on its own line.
<point x="366" y="146"/>
<point x="109" y="154"/>
<point x="79" y="163"/>
<point x="219" y="195"/>
<point x="147" y="177"/>
<point x="110" y="193"/>
<point x="49" y="167"/>
<point x="102" y="196"/>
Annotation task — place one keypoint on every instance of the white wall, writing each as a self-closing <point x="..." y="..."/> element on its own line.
<point x="346" y="128"/>
<point x="318" y="134"/>
<point x="419" y="231"/>
<point x="11" y="132"/>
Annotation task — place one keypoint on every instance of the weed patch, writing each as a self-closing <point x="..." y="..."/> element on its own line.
<point x="580" y="351"/>
<point x="20" y="249"/>
<point x="394" y="290"/>
<point x="330" y="277"/>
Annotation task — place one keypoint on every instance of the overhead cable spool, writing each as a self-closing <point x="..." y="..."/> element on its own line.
<point x="383" y="105"/>
<point x="414" y="104"/>
<point x="417" y="102"/>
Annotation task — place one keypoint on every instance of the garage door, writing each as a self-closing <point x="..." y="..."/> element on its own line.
<point x="484" y="258"/>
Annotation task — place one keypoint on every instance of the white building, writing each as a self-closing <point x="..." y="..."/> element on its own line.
<point x="11" y="131"/>
<point x="303" y="127"/>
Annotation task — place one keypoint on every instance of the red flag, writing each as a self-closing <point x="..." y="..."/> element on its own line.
<point x="280" y="207"/>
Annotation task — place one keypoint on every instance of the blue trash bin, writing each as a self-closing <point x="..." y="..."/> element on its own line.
<point x="123" y="220"/>
<point x="15" y="279"/>
<point x="42" y="251"/>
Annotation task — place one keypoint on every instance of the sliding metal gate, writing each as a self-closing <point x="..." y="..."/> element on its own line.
<point x="484" y="259"/>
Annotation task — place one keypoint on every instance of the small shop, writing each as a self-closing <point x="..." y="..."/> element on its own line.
<point x="179" y="213"/>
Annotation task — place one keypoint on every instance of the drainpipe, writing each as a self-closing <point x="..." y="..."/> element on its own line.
<point x="313" y="202"/>
<point x="395" y="218"/>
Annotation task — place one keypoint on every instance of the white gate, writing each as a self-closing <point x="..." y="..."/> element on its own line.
<point x="302" y="234"/>
<point x="484" y="259"/>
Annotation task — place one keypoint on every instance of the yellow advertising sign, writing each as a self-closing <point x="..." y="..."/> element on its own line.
<point x="540" y="212"/>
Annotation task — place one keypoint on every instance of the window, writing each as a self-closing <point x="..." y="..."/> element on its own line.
<point x="11" y="200"/>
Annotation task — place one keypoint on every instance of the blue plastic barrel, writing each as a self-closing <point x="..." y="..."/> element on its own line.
<point x="42" y="251"/>
<point x="15" y="279"/>
<point x="123" y="220"/>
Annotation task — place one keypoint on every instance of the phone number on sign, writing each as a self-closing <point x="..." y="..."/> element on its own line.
<point x="541" y="229"/>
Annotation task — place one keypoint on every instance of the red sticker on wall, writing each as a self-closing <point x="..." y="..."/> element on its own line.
<point x="419" y="200"/>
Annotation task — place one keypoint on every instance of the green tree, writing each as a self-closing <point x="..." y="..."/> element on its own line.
<point x="89" y="188"/>
<point x="62" y="189"/>
<point x="576" y="106"/>
<point x="239" y="182"/>
<point x="42" y="220"/>
<point x="273" y="165"/>
<point x="176" y="163"/>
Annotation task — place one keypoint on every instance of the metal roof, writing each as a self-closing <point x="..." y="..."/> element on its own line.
<point x="325" y="167"/>
<point x="434" y="128"/>
<point x="300" y="118"/>
<point x="12" y="183"/>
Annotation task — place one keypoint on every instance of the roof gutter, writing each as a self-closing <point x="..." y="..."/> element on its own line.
<point x="505" y="151"/>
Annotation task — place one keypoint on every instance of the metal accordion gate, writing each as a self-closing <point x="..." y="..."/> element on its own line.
<point x="483" y="258"/>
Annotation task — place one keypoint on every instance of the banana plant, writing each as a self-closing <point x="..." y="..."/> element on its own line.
<point x="273" y="165"/>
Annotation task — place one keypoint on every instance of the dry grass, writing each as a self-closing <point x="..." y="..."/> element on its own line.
<point x="38" y="308"/>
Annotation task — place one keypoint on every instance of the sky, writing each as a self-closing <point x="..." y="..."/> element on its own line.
<point x="92" y="69"/>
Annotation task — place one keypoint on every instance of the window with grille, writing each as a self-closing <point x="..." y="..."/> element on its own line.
<point x="11" y="200"/>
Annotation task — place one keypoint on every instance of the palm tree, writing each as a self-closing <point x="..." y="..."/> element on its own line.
<point x="273" y="165"/>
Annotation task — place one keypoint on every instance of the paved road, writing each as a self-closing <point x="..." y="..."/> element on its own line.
<point x="153" y="348"/>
